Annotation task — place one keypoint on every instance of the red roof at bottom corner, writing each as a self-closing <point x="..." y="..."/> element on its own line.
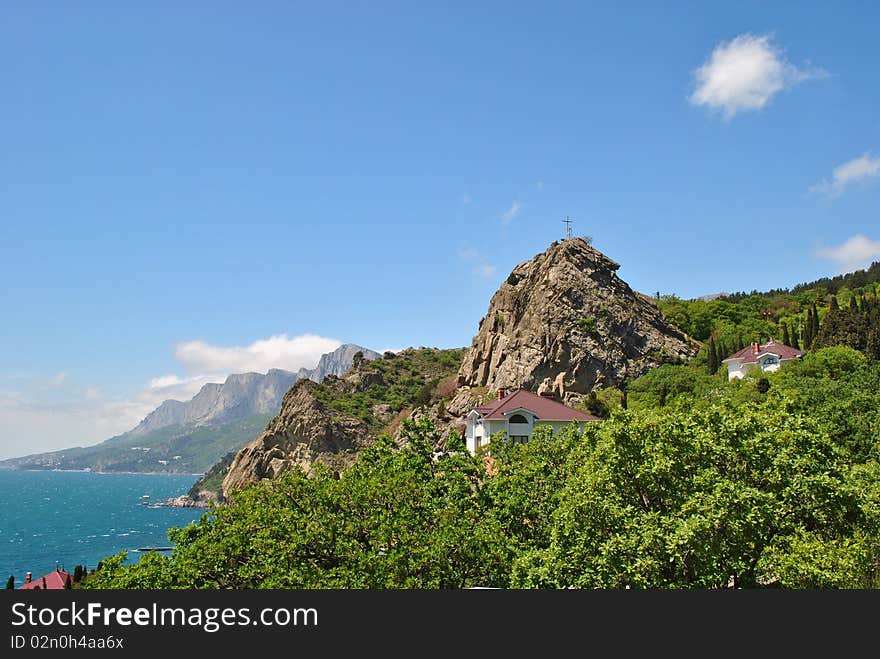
<point x="55" y="580"/>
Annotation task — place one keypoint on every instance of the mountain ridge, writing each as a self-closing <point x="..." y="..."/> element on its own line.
<point x="245" y="394"/>
<point x="220" y="417"/>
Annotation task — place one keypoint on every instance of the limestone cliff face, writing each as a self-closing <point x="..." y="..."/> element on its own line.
<point x="304" y="432"/>
<point x="565" y="321"/>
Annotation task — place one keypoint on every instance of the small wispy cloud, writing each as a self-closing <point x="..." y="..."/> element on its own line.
<point x="479" y="265"/>
<point x="744" y="73"/>
<point x="510" y="214"/>
<point x="539" y="185"/>
<point x="856" y="253"/>
<point x="857" y="170"/>
<point x="58" y="379"/>
<point x="466" y="198"/>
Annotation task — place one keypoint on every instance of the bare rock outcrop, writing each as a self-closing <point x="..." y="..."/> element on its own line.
<point x="305" y="432"/>
<point x="564" y="322"/>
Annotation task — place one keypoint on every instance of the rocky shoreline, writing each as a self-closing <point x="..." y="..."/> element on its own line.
<point x="185" y="501"/>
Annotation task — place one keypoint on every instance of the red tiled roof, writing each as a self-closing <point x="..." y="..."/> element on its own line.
<point x="750" y="354"/>
<point x="545" y="409"/>
<point x="55" y="580"/>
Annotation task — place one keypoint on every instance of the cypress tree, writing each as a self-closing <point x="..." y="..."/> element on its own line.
<point x="713" y="357"/>
<point x="794" y="339"/>
<point x="739" y="342"/>
<point x="720" y="354"/>
<point x="853" y="304"/>
<point x="10" y="584"/>
<point x="833" y="306"/>
<point x="786" y="341"/>
<point x="808" y="330"/>
<point x="814" y="330"/>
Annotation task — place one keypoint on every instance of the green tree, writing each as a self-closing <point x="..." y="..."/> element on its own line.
<point x="786" y="339"/>
<point x="808" y="330"/>
<point x="721" y="354"/>
<point x="401" y="517"/>
<point x="595" y="406"/>
<point x="10" y="583"/>
<point x="794" y="338"/>
<point x="708" y="499"/>
<point x="713" y="356"/>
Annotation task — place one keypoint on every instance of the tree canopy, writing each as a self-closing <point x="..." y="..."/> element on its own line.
<point x="723" y="485"/>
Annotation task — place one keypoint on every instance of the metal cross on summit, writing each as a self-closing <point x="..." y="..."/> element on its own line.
<point x="567" y="223"/>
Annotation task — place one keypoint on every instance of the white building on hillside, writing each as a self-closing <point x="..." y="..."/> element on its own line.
<point x="517" y="414"/>
<point x="768" y="357"/>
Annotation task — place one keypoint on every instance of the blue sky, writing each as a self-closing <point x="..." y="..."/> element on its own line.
<point x="179" y="185"/>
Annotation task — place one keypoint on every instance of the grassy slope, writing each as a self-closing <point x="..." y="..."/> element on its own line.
<point x="413" y="377"/>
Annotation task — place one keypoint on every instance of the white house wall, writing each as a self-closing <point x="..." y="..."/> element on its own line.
<point x="485" y="428"/>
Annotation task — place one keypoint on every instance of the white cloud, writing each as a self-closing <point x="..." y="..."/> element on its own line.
<point x="465" y="199"/>
<point x="93" y="393"/>
<point x="857" y="170"/>
<point x="35" y="418"/>
<point x="478" y="263"/>
<point x="510" y="214"/>
<point x="278" y="351"/>
<point x="744" y="74"/>
<point x="856" y="253"/>
<point x="539" y="185"/>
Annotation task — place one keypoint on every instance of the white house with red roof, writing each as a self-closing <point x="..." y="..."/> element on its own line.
<point x="517" y="414"/>
<point x="768" y="357"/>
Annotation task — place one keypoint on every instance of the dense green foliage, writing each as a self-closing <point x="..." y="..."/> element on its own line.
<point x="724" y="485"/>
<point x="397" y="519"/>
<point x="856" y="326"/>
<point x="399" y="380"/>
<point x="796" y="318"/>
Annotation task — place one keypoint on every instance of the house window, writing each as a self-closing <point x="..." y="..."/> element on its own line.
<point x="518" y="418"/>
<point x="477" y="441"/>
<point x="770" y="361"/>
<point x="519" y="439"/>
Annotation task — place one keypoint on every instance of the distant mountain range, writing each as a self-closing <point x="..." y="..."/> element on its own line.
<point x="189" y="437"/>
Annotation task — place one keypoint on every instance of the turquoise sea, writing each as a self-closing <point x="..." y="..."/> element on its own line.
<point x="50" y="518"/>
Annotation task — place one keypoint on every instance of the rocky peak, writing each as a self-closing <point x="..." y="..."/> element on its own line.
<point x="564" y="321"/>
